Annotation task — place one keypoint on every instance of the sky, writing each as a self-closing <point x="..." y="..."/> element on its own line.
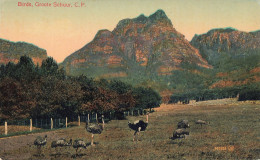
<point x="64" y="30"/>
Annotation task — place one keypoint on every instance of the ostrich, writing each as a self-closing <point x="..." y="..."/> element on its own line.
<point x="94" y="128"/>
<point x="39" y="142"/>
<point x="79" y="143"/>
<point x="183" y="124"/>
<point x="179" y="133"/>
<point x="201" y="122"/>
<point x="138" y="126"/>
<point x="61" y="143"/>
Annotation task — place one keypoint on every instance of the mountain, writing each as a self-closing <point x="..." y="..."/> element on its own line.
<point x="217" y="42"/>
<point x="12" y="51"/>
<point x="234" y="54"/>
<point x="139" y="46"/>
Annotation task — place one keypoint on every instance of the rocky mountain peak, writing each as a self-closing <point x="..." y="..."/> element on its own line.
<point x="216" y="42"/>
<point x="158" y="15"/>
<point x="150" y="44"/>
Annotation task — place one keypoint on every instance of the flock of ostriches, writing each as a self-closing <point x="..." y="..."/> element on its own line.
<point x="96" y="128"/>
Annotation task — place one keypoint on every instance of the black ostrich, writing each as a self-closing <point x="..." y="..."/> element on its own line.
<point x="78" y="144"/>
<point x="183" y="124"/>
<point x="138" y="126"/>
<point x="201" y="122"/>
<point x="94" y="128"/>
<point x="179" y="133"/>
<point x="40" y="142"/>
<point x="60" y="143"/>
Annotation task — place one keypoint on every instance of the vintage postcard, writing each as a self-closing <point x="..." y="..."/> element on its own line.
<point x="129" y="79"/>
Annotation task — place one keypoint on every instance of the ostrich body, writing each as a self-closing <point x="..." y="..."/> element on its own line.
<point x="79" y="143"/>
<point x="94" y="128"/>
<point x="138" y="126"/>
<point x="61" y="143"/>
<point x="201" y="122"/>
<point x="180" y="133"/>
<point x="40" y="142"/>
<point x="183" y="124"/>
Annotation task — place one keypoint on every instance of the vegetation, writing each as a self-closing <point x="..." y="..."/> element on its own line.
<point x="42" y="91"/>
<point x="201" y="85"/>
<point x="231" y="134"/>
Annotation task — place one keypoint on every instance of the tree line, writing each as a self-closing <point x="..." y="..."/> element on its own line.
<point x="246" y="92"/>
<point x="32" y="91"/>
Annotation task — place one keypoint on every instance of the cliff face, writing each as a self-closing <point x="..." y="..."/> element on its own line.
<point x="234" y="54"/>
<point x="142" y="44"/>
<point x="228" y="40"/>
<point x="11" y="52"/>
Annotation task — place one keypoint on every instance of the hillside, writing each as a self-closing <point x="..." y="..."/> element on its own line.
<point x="142" y="46"/>
<point x="216" y="43"/>
<point x="12" y="51"/>
<point x="234" y="54"/>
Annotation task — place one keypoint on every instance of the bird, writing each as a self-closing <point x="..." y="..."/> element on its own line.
<point x="180" y="133"/>
<point x="183" y="124"/>
<point x="60" y="143"/>
<point x="138" y="126"/>
<point x="94" y="128"/>
<point x="39" y="142"/>
<point x="201" y="122"/>
<point x="79" y="143"/>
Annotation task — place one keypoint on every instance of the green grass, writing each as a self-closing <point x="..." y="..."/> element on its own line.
<point x="234" y="126"/>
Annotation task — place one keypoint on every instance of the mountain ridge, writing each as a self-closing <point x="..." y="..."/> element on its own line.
<point x="145" y="43"/>
<point x="12" y="51"/>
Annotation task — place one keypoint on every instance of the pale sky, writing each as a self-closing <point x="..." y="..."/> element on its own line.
<point x="62" y="31"/>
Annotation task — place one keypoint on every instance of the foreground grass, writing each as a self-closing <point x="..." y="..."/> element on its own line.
<point x="233" y="133"/>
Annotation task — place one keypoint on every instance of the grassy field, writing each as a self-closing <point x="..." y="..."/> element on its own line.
<point x="233" y="133"/>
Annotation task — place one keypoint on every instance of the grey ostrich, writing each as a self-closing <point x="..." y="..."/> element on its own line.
<point x="138" y="126"/>
<point x="179" y="133"/>
<point x="201" y="122"/>
<point x="94" y="128"/>
<point x="60" y="143"/>
<point x="183" y="124"/>
<point x="40" y="142"/>
<point x="78" y="144"/>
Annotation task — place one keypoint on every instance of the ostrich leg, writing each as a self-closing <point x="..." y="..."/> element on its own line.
<point x="77" y="151"/>
<point x="134" y="136"/>
<point x="92" y="140"/>
<point x="138" y="133"/>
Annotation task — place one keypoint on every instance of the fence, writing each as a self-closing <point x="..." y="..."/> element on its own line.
<point x="16" y="127"/>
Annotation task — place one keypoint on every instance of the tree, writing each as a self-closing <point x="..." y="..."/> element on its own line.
<point x="146" y="98"/>
<point x="56" y="97"/>
<point x="25" y="69"/>
<point x="15" y="99"/>
<point x="50" y="67"/>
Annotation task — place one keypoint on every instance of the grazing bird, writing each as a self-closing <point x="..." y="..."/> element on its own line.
<point x="60" y="143"/>
<point x="39" y="142"/>
<point x="138" y="126"/>
<point x="78" y="144"/>
<point x="183" y="124"/>
<point x="180" y="133"/>
<point x="201" y="122"/>
<point x="94" y="128"/>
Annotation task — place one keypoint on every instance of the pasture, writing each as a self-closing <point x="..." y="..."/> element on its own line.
<point x="233" y="133"/>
